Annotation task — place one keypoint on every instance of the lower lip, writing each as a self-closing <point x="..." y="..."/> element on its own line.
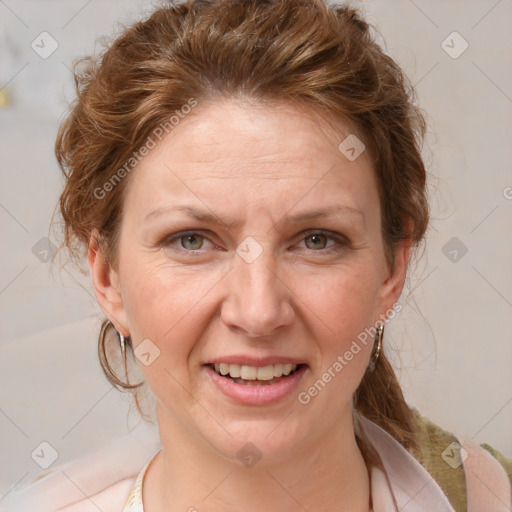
<point x="264" y="394"/>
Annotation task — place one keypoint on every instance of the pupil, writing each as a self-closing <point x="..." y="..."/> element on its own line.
<point x="316" y="238"/>
<point x="191" y="237"/>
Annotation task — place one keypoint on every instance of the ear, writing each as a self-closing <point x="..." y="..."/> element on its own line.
<point x="392" y="286"/>
<point x="106" y="285"/>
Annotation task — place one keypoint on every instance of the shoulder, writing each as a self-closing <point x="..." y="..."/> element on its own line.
<point x="101" y="480"/>
<point x="111" y="499"/>
<point x="473" y="476"/>
<point x="53" y="494"/>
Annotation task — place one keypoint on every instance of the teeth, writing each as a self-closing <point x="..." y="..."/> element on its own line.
<point x="265" y="373"/>
<point x="248" y="372"/>
<point x="287" y="368"/>
<point x="255" y="372"/>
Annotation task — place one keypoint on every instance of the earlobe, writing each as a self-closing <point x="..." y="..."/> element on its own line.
<point x="106" y="285"/>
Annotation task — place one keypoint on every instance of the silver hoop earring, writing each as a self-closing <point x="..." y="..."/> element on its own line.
<point x="377" y="348"/>
<point x="122" y="342"/>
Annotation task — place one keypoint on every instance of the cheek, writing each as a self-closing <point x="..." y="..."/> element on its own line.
<point x="343" y="298"/>
<point x="341" y="308"/>
<point x="344" y="305"/>
<point x="167" y="307"/>
<point x="164" y="303"/>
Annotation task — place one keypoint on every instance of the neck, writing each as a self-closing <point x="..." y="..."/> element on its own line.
<point x="325" y="474"/>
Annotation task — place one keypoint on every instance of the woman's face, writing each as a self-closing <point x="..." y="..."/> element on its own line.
<point x="284" y="264"/>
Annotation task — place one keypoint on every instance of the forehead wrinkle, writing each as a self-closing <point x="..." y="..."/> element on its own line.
<point x="193" y="170"/>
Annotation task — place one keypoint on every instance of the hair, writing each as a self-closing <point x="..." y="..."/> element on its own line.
<point x="308" y="53"/>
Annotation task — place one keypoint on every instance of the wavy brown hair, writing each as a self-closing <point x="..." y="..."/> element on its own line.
<point x="311" y="53"/>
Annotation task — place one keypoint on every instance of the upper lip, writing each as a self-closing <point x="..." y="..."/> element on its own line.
<point x="256" y="361"/>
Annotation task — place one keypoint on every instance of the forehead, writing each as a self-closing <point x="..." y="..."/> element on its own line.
<point x="232" y="130"/>
<point x="250" y="153"/>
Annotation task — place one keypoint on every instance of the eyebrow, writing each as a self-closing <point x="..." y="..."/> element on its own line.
<point x="207" y="217"/>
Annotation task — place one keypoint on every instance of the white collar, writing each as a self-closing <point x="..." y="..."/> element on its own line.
<point x="415" y="490"/>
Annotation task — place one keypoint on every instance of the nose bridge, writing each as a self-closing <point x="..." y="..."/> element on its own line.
<point x="258" y="302"/>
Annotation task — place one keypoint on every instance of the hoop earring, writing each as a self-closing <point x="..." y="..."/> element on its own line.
<point x="122" y="342"/>
<point x="377" y="348"/>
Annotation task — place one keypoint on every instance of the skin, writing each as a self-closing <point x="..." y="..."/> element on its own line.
<point x="297" y="299"/>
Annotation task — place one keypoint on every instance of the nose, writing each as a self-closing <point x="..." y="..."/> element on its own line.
<point x="258" y="302"/>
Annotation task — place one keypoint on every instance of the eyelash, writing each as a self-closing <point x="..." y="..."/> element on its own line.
<point x="342" y="241"/>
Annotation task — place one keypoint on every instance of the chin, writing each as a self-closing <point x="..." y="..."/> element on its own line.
<point x="259" y="442"/>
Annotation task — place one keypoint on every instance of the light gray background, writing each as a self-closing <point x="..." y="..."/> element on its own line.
<point x="452" y="343"/>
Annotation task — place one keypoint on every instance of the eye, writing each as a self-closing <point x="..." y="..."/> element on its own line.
<point x="188" y="242"/>
<point x="192" y="242"/>
<point x="317" y="241"/>
<point x="196" y="241"/>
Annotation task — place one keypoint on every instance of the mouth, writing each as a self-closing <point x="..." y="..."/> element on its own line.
<point x="256" y="385"/>
<point x="248" y="375"/>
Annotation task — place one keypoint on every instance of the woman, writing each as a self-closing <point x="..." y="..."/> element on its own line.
<point x="247" y="178"/>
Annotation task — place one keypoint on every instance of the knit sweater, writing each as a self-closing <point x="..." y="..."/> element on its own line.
<point x="446" y="458"/>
